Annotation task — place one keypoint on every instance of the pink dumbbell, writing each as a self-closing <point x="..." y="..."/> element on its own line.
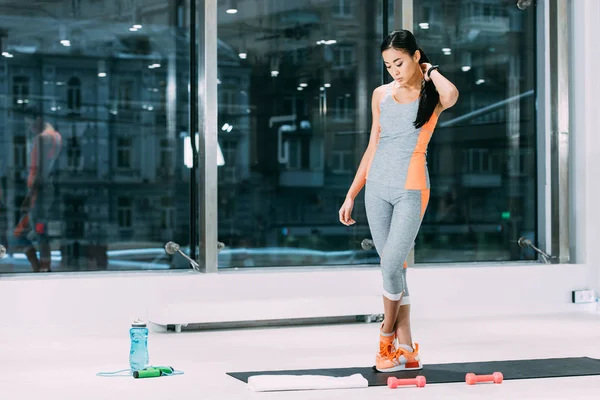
<point x="393" y="383"/>
<point x="472" y="379"/>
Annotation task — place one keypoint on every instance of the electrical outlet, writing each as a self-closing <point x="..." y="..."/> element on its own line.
<point x="584" y="296"/>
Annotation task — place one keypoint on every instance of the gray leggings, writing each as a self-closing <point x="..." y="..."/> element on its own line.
<point x="394" y="217"/>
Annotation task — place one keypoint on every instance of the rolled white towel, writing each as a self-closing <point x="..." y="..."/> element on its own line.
<point x="269" y="383"/>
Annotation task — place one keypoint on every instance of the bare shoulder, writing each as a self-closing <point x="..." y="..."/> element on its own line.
<point x="381" y="89"/>
<point x="379" y="92"/>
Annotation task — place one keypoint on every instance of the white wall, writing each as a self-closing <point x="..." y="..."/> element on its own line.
<point x="110" y="301"/>
<point x="101" y="302"/>
<point x="585" y="140"/>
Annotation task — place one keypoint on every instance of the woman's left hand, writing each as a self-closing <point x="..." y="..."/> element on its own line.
<point x="425" y="67"/>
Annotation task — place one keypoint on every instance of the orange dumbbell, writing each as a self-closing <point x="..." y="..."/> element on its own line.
<point x="393" y="383"/>
<point x="472" y="379"/>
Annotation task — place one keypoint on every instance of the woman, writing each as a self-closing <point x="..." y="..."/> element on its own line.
<point x="394" y="173"/>
<point x="39" y="202"/>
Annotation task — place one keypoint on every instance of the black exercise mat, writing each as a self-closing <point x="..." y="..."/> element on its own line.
<point x="455" y="372"/>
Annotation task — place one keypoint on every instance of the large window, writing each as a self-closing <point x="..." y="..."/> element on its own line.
<point x="100" y="176"/>
<point x="295" y="80"/>
<point x="107" y="171"/>
<point x="300" y="75"/>
<point x="483" y="185"/>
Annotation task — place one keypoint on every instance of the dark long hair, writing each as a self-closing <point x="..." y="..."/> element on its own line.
<point x="404" y="40"/>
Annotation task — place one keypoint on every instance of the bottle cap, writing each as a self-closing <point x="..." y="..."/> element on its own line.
<point x="138" y="324"/>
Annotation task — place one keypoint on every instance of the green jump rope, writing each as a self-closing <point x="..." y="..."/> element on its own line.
<point x="148" y="372"/>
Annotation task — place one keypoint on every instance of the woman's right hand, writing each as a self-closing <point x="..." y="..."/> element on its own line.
<point x="346" y="212"/>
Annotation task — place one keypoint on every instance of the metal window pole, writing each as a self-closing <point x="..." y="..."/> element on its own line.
<point x="403" y="15"/>
<point x="559" y="129"/>
<point x="193" y="128"/>
<point x="205" y="88"/>
<point x="403" y="19"/>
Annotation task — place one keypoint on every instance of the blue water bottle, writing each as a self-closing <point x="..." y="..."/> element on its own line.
<point x="138" y="354"/>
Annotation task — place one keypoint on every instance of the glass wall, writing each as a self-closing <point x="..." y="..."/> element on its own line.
<point x="96" y="155"/>
<point x="93" y="122"/>
<point x="482" y="157"/>
<point x="295" y="82"/>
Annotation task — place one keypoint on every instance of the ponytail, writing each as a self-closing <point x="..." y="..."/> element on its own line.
<point x="428" y="99"/>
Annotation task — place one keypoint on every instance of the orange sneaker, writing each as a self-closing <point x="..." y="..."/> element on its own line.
<point x="391" y="358"/>
<point x="408" y="357"/>
<point x="385" y="359"/>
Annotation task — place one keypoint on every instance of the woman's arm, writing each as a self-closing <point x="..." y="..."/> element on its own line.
<point x="446" y="89"/>
<point x="361" y="173"/>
